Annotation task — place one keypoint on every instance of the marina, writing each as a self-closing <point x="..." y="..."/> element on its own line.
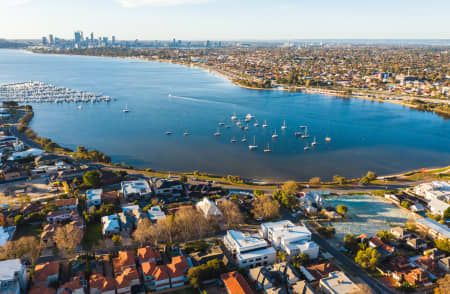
<point x="39" y="92"/>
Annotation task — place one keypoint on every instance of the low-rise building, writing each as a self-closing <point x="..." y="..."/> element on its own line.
<point x="416" y="243"/>
<point x="433" y="229"/>
<point x="208" y="208"/>
<point x="156" y="277"/>
<point x="301" y="287"/>
<point x="415" y="277"/>
<point x="235" y="283"/>
<point x="6" y="234"/>
<point x="265" y="276"/>
<point x="124" y="260"/>
<point x="73" y="287"/>
<point x="337" y="283"/>
<point x="94" y="197"/>
<point x="13" y="278"/>
<point x="155" y="214"/>
<point x="110" y="225"/>
<point x="400" y="233"/>
<point x="444" y="264"/>
<point x="147" y="254"/>
<point x="136" y="190"/>
<point x="41" y="289"/>
<point x="249" y="251"/>
<point x="102" y="285"/>
<point x="46" y="274"/>
<point x="166" y="187"/>
<point x="128" y="278"/>
<point x="65" y="204"/>
<point x="177" y="270"/>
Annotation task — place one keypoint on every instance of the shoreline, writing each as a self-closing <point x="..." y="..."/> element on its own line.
<point x="309" y="90"/>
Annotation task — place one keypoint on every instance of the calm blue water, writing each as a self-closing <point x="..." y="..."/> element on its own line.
<point x="366" y="135"/>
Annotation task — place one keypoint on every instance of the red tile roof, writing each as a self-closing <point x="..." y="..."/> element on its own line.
<point x="147" y="253"/>
<point x="103" y="283"/>
<point x="71" y="286"/>
<point x="178" y="266"/>
<point x="43" y="271"/>
<point x="124" y="260"/>
<point x="41" y="289"/>
<point x="127" y="276"/>
<point x="235" y="283"/>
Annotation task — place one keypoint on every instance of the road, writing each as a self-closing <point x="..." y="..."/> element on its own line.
<point x="377" y="286"/>
<point x="27" y="141"/>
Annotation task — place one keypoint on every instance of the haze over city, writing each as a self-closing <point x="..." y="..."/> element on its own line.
<point x="226" y="19"/>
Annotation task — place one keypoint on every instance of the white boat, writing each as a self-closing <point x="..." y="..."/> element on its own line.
<point x="297" y="134"/>
<point x="314" y="143"/>
<point x="249" y="116"/>
<point x="256" y="124"/>
<point x="303" y="127"/>
<point x="254" y="146"/>
<point x="274" y="136"/>
<point x="126" y="108"/>
<point x="246" y="128"/>
<point x="80" y="107"/>
<point x="305" y="135"/>
<point x="234" y="117"/>
<point x="306" y="148"/>
<point x="168" y="133"/>
<point x="186" y="133"/>
<point x="244" y="139"/>
<point x="221" y="124"/>
<point x="170" y="95"/>
<point x="217" y="133"/>
<point x="233" y="140"/>
<point x="265" y="125"/>
<point x="327" y="139"/>
<point x="284" y="127"/>
<point x="238" y="123"/>
<point x="268" y="148"/>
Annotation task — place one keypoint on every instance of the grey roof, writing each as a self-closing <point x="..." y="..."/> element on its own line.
<point x="435" y="226"/>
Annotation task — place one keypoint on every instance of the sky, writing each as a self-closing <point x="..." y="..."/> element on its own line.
<point x="227" y="19"/>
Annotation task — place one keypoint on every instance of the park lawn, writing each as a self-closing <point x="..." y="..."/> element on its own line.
<point x="92" y="236"/>
<point x="28" y="230"/>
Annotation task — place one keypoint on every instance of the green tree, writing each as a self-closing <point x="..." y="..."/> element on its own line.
<point x="443" y="244"/>
<point x="300" y="260"/>
<point x="290" y="187"/>
<point x="351" y="243"/>
<point x="368" y="258"/>
<point x="385" y="235"/>
<point x="92" y="178"/>
<point x="183" y="179"/>
<point x="211" y="270"/>
<point x="18" y="219"/>
<point x="405" y="204"/>
<point x="341" y="209"/>
<point x="371" y="175"/>
<point x="447" y="213"/>
<point x="339" y="179"/>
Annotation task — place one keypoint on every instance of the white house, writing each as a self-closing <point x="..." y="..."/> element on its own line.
<point x="139" y="189"/>
<point x="208" y="208"/>
<point x="23" y="154"/>
<point x="249" y="251"/>
<point x="337" y="283"/>
<point x="155" y="213"/>
<point x="13" y="278"/>
<point x="94" y="197"/>
<point x="292" y="239"/>
<point x="110" y="225"/>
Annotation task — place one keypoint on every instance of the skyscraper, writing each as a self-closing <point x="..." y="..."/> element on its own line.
<point x="51" y="39"/>
<point x="78" y="37"/>
<point x="113" y="40"/>
<point x="92" y="37"/>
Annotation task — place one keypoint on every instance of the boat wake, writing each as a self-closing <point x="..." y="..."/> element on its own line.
<point x="199" y="100"/>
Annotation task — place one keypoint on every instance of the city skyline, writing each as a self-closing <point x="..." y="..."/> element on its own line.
<point x="225" y="20"/>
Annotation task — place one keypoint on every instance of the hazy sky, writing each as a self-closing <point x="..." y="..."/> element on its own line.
<point x="226" y="19"/>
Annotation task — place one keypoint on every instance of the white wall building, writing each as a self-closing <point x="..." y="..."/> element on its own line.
<point x="292" y="239"/>
<point x="13" y="278"/>
<point x="94" y="197"/>
<point x="136" y="189"/>
<point x="250" y="251"/>
<point x="155" y="213"/>
<point x="337" y="283"/>
<point x="208" y="208"/>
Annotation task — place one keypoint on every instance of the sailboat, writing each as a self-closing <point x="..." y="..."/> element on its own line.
<point x="80" y="107"/>
<point x="254" y="146"/>
<point x="268" y="148"/>
<point x="314" y="143"/>
<point x="265" y="125"/>
<point x="186" y="133"/>
<point x="244" y="139"/>
<point x="256" y="124"/>
<point x="170" y="95"/>
<point x="305" y="135"/>
<point x="284" y="127"/>
<point x="217" y="133"/>
<point x="234" y="117"/>
<point x="306" y="147"/>
<point x="126" y="108"/>
<point x="274" y="136"/>
<point x="233" y="140"/>
<point x="221" y="124"/>
<point x="168" y="133"/>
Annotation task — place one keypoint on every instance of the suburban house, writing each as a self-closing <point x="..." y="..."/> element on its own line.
<point x="102" y="285"/>
<point x="47" y="235"/>
<point x="110" y="225"/>
<point x="41" y="289"/>
<point x="417" y="243"/>
<point x="380" y="246"/>
<point x="301" y="287"/>
<point x="208" y="208"/>
<point x="166" y="187"/>
<point x="337" y="283"/>
<point x="156" y="277"/>
<point x="235" y="283"/>
<point x="59" y="216"/>
<point x="155" y="213"/>
<point x="147" y="254"/>
<point x="289" y="238"/>
<point x="317" y="272"/>
<point x="264" y="276"/>
<point x="46" y="273"/>
<point x="65" y="204"/>
<point x="136" y="190"/>
<point x="12" y="172"/>
<point x="13" y="277"/>
<point x="177" y="270"/>
<point x="434" y="253"/>
<point x="94" y="197"/>
<point x="6" y="234"/>
<point x="123" y="261"/>
<point x="414" y="277"/>
<point x="127" y="279"/>
<point x="400" y="233"/>
<point x="249" y="251"/>
<point x="73" y="287"/>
